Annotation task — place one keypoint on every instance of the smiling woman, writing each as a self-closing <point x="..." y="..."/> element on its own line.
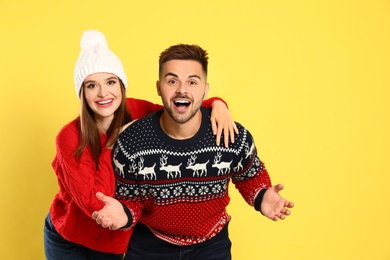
<point x="83" y="163"/>
<point x="103" y="93"/>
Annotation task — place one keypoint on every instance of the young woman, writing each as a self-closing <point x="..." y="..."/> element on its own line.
<point x="83" y="162"/>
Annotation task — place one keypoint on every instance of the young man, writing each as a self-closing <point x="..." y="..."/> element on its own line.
<point x="173" y="180"/>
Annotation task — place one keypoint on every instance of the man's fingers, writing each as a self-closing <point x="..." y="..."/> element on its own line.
<point x="102" y="221"/>
<point x="100" y="196"/>
<point x="109" y="224"/>
<point x="113" y="227"/>
<point x="95" y="215"/>
<point x="289" y="204"/>
<point x="103" y="198"/>
<point x="279" y="187"/>
<point x="106" y="224"/>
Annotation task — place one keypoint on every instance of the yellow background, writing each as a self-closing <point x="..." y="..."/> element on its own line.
<point x="309" y="79"/>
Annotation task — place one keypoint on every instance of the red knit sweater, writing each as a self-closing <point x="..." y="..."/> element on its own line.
<point x="73" y="205"/>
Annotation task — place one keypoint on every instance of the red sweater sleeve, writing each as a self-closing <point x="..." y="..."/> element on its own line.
<point x="208" y="103"/>
<point x="139" y="108"/>
<point x="253" y="176"/>
<point x="79" y="181"/>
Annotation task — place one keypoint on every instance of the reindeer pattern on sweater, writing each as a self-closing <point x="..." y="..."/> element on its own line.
<point x="182" y="185"/>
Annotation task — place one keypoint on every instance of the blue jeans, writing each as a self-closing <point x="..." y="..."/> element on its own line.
<point x="144" y="245"/>
<point x="58" y="248"/>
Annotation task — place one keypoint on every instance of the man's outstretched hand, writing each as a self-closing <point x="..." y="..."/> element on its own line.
<point x="274" y="206"/>
<point x="112" y="215"/>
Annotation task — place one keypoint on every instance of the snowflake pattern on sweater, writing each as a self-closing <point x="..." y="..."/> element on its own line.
<point x="181" y="186"/>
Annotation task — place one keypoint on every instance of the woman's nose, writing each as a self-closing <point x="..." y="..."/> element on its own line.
<point x="102" y="91"/>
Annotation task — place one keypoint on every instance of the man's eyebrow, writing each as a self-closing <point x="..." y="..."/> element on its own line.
<point x="171" y="74"/>
<point x="194" y="76"/>
<point x="176" y="76"/>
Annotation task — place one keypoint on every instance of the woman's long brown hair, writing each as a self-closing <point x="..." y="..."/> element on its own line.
<point x="89" y="132"/>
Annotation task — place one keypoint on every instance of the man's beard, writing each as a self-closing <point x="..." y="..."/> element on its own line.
<point x="182" y="118"/>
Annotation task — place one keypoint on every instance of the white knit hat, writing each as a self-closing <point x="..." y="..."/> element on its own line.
<point x="95" y="57"/>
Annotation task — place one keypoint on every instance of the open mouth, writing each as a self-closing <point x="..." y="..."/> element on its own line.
<point x="182" y="103"/>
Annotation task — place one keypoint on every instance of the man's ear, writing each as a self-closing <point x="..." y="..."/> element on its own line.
<point x="206" y="91"/>
<point x="158" y="87"/>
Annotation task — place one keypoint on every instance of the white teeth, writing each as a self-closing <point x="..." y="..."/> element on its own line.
<point x="181" y="102"/>
<point x="104" y="102"/>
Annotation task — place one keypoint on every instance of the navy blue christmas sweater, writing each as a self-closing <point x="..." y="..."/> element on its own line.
<point x="179" y="188"/>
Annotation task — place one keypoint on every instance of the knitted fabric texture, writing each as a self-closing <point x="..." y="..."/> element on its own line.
<point x="79" y="181"/>
<point x="181" y="186"/>
<point x="95" y="57"/>
<point x="74" y="203"/>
